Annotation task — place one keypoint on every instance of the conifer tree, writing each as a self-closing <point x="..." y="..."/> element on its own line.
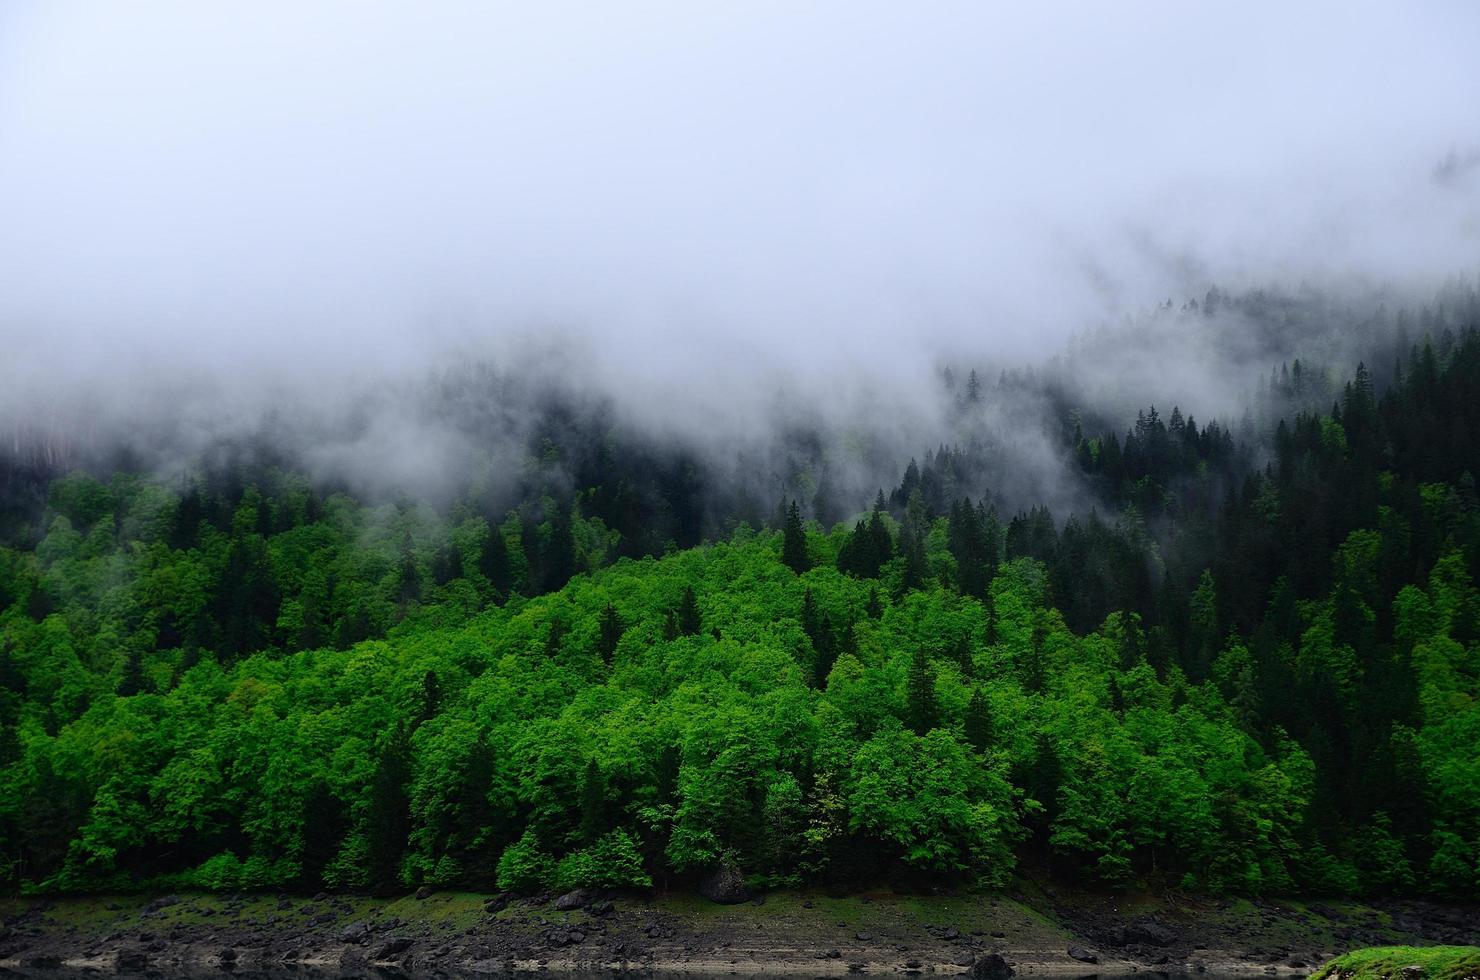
<point x="610" y="633"/>
<point x="794" y="542"/>
<point x="921" y="710"/>
<point x="593" y="803"/>
<point x="690" y="623"/>
<point x="978" y="722"/>
<point x="132" y="681"/>
<point x="388" y="814"/>
<point x="493" y="562"/>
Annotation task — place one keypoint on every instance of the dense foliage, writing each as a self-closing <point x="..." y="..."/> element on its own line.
<point x="1247" y="678"/>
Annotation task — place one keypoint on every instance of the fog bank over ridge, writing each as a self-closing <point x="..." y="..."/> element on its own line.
<point x="725" y="219"/>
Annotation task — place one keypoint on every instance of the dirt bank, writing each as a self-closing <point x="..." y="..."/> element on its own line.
<point x="1036" y="931"/>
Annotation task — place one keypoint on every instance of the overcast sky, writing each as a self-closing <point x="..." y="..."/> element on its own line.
<point x="766" y="184"/>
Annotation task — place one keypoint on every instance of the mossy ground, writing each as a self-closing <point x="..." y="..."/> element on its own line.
<point x="1405" y="963"/>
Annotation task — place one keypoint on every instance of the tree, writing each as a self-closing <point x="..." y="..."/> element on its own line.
<point x="388" y="812"/>
<point x="132" y="681"/>
<point x="609" y="633"/>
<point x="493" y="562"/>
<point x="794" y="542"/>
<point x="593" y="803"/>
<point x="921" y="710"/>
<point x="690" y="623"/>
<point x="978" y="726"/>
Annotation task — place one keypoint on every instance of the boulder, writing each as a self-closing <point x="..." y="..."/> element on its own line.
<point x="1082" y="955"/>
<point x="159" y="904"/>
<point x="355" y="932"/>
<point x="572" y="900"/>
<point x="423" y="893"/>
<point x="391" y="948"/>
<point x="725" y="885"/>
<point x="990" y="967"/>
<point x="1149" y="932"/>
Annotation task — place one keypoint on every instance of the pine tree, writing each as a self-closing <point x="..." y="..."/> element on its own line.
<point x="874" y="607"/>
<point x="978" y="722"/>
<point x="132" y="681"/>
<point x="446" y="564"/>
<point x="883" y="545"/>
<point x="493" y="562"/>
<point x="670" y="626"/>
<point x="560" y="555"/>
<point x="961" y="652"/>
<point x="921" y="710"/>
<point x="690" y="623"/>
<point x="610" y="633"/>
<point x="325" y="823"/>
<point x="794" y="542"/>
<point x="388" y="814"/>
<point x="826" y="649"/>
<point x="431" y="696"/>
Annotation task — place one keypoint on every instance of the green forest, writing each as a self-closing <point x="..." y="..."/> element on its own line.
<point x="1249" y="665"/>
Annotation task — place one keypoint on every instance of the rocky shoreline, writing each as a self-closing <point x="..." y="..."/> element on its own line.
<point x="782" y="934"/>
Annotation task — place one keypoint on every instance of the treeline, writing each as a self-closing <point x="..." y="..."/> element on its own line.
<point x="1256" y="672"/>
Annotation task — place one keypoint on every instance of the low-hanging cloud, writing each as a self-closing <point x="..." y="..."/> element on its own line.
<point x="210" y="210"/>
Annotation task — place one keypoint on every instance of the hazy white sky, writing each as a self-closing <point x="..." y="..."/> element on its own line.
<point x="760" y="183"/>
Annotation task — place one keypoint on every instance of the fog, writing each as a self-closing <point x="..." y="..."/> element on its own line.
<point x="720" y="215"/>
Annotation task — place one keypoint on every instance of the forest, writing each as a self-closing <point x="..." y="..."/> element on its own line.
<point x="1247" y="662"/>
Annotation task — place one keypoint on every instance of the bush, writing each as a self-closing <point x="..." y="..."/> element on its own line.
<point x="523" y="867"/>
<point x="612" y="862"/>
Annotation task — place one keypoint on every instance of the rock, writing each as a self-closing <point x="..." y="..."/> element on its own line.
<point x="574" y="899"/>
<point x="227" y="955"/>
<point x="131" y="960"/>
<point x="1082" y="955"/>
<point x="990" y="967"/>
<point x="355" y="932"/>
<point x="163" y="902"/>
<point x="602" y="908"/>
<point x="863" y="937"/>
<point x="963" y="959"/>
<point x="1149" y="932"/>
<point x="996" y="934"/>
<point x="321" y="896"/>
<point x="831" y="954"/>
<point x="423" y="893"/>
<point x="725" y="886"/>
<point x="392" y="947"/>
<point x="497" y="903"/>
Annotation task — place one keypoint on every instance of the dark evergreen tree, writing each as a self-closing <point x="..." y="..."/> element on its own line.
<point x="610" y="631"/>
<point x="690" y="623"/>
<point x="921" y="710"/>
<point x="978" y="722"/>
<point x="132" y="681"/>
<point x="493" y="563"/>
<point x="388" y="811"/>
<point x="794" y="542"/>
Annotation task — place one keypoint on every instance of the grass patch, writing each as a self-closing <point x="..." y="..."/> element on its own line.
<point x="1405" y="963"/>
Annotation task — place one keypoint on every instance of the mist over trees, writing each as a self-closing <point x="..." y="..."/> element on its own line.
<point x="1233" y="650"/>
